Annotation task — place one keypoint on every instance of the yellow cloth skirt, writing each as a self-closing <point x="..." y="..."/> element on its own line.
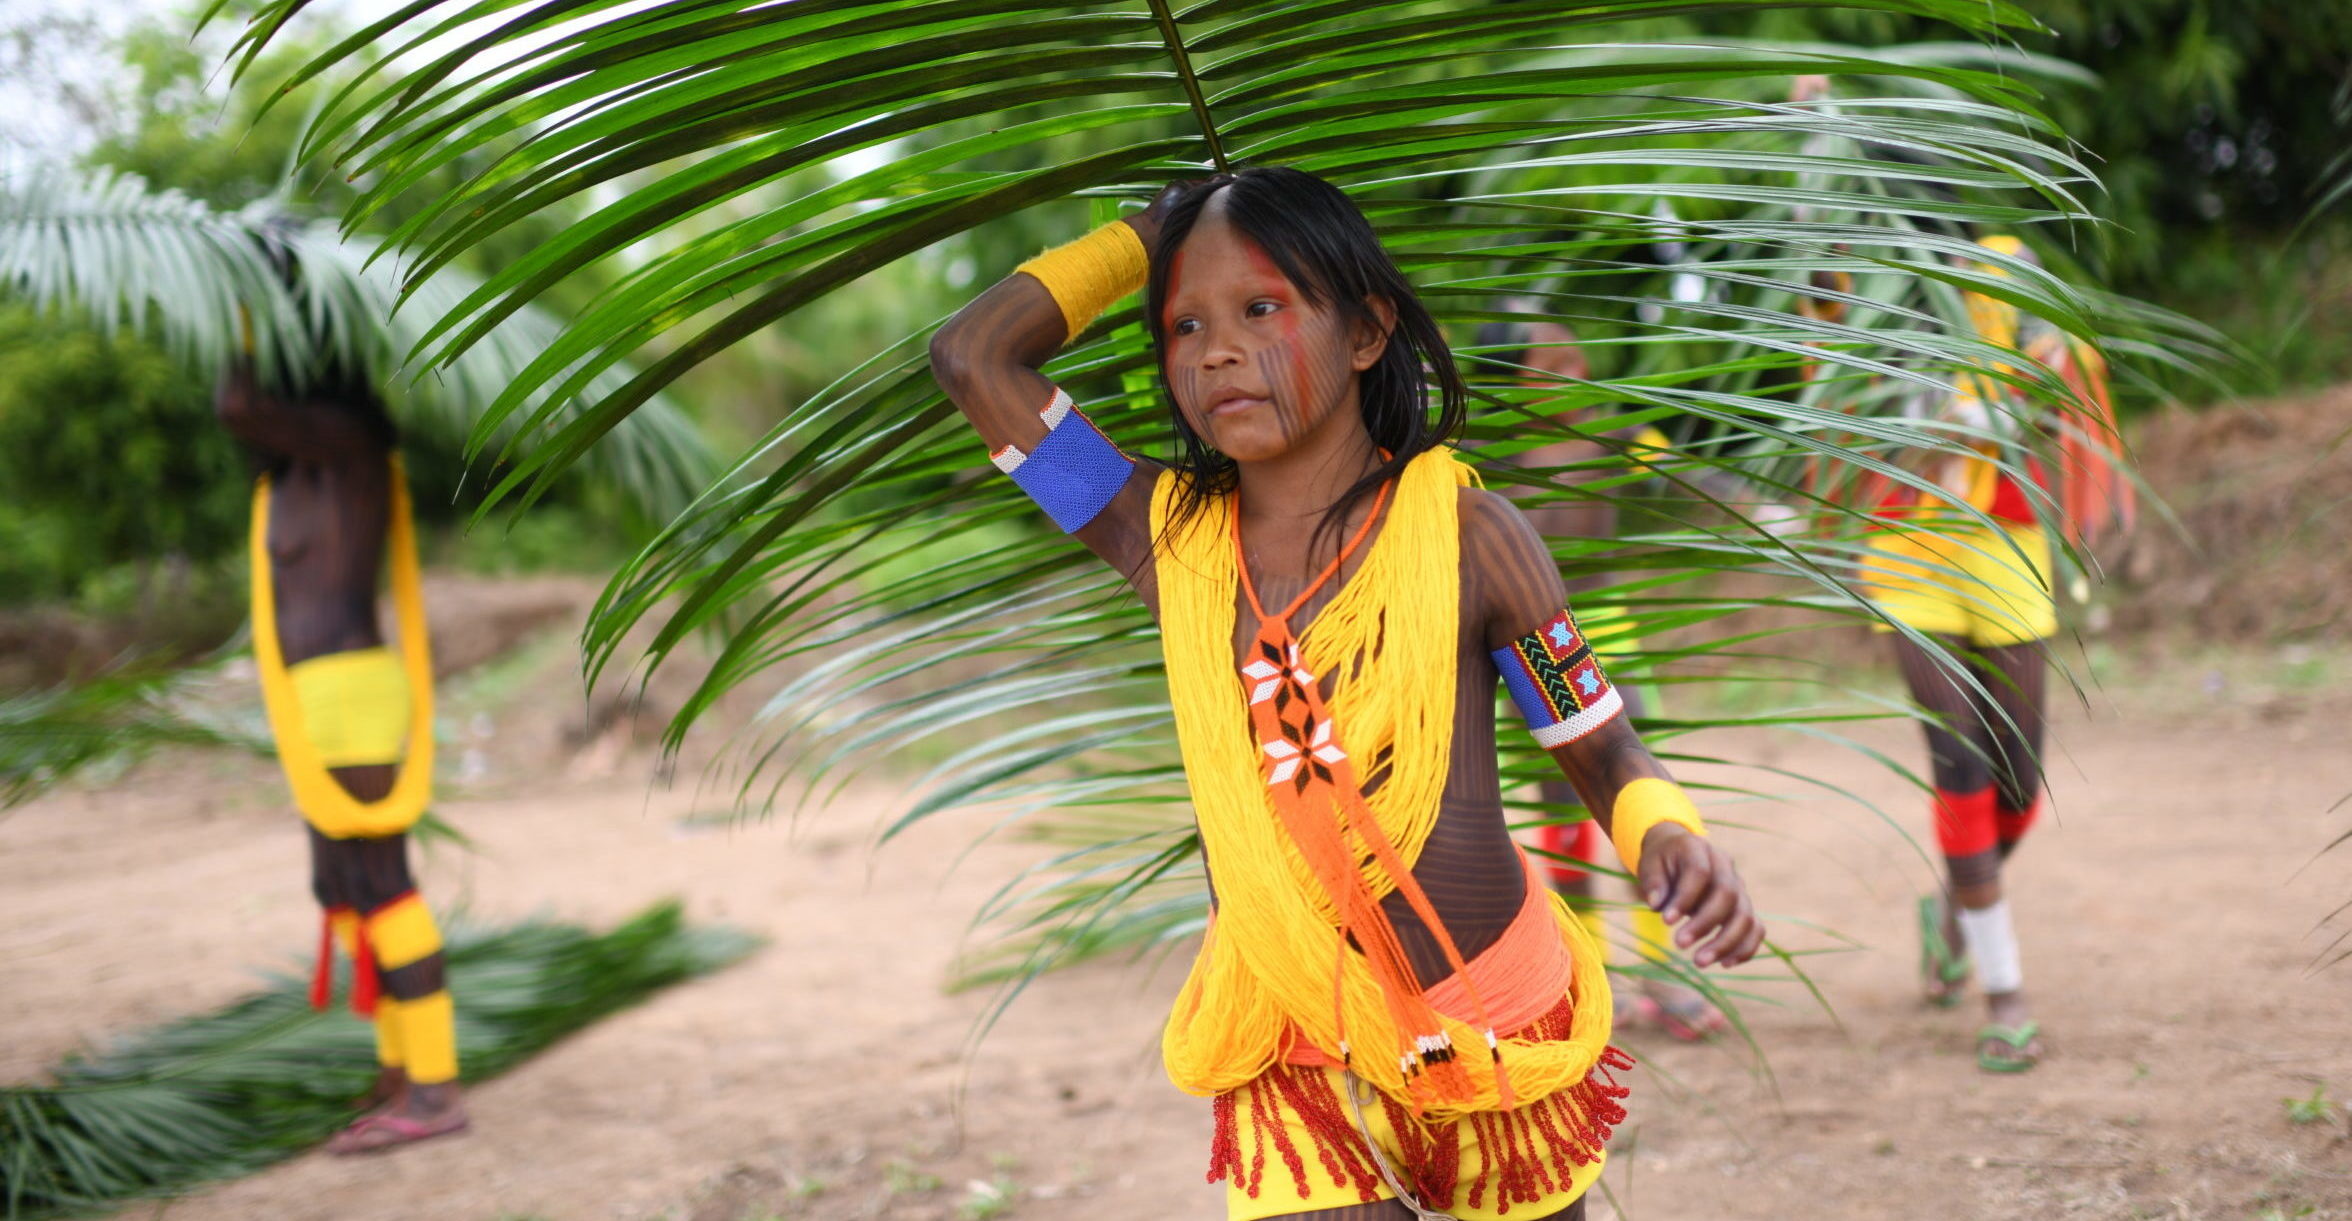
<point x="1988" y="586"/>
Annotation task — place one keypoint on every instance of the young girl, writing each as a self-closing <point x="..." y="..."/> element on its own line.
<point x="1393" y="1014"/>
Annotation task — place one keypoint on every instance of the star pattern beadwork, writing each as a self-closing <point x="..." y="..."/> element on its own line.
<point x="1287" y="709"/>
<point x="1557" y="683"/>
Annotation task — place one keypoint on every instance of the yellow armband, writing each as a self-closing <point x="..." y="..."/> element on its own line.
<point x="1642" y="805"/>
<point x="1089" y="275"/>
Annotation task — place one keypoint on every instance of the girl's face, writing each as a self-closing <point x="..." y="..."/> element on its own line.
<point x="1257" y="368"/>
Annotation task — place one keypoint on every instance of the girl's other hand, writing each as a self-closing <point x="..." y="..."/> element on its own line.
<point x="1692" y="883"/>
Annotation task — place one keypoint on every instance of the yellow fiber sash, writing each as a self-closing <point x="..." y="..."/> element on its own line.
<point x="317" y="794"/>
<point x="1267" y="967"/>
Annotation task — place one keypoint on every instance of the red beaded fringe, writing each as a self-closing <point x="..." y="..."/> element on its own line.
<point x="1526" y="1155"/>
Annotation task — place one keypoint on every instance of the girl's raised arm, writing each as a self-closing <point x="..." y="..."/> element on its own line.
<point x="987" y="359"/>
<point x="1557" y="683"/>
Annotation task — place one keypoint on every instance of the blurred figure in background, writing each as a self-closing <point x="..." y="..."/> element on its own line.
<point x="352" y="721"/>
<point x="1967" y="571"/>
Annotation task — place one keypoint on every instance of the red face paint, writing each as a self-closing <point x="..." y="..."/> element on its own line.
<point x="1272" y="283"/>
<point x="1175" y="287"/>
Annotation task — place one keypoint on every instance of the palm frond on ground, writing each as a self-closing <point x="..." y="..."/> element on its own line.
<point x="1592" y="158"/>
<point x="108" y="248"/>
<point x="48" y="736"/>
<point x="223" y="1093"/>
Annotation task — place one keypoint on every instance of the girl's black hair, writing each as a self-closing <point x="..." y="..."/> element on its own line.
<point x="1325" y="247"/>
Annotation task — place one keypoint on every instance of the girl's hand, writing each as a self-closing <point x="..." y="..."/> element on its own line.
<point x="1147" y="222"/>
<point x="1691" y="882"/>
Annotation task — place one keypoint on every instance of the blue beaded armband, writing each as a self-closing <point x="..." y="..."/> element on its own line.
<point x="1074" y="473"/>
<point x="1557" y="683"/>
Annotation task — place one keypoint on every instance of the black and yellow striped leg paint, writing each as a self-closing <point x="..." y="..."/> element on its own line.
<point x="415" y="1020"/>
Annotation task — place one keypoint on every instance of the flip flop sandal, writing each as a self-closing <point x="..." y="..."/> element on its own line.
<point x="2016" y="1039"/>
<point x="1632" y="1012"/>
<point x="1695" y="1022"/>
<point x="377" y="1133"/>
<point x="1938" y="964"/>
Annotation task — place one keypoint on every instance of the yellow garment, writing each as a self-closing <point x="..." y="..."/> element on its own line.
<point x="403" y="932"/>
<point x="1651" y="938"/>
<point x="1325" y="1190"/>
<point x="354" y="706"/>
<point x="1595" y="922"/>
<point x="1978" y="400"/>
<point x="1641" y="806"/>
<point x="322" y="800"/>
<point x="345" y="923"/>
<point x="1959" y="578"/>
<point x="388" y="1033"/>
<point x="1089" y="275"/>
<point x="1267" y="964"/>
<point x="1648" y="446"/>
<point x="428" y="1037"/>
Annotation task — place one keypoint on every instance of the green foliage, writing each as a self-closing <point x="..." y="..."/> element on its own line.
<point x="2318" y="1108"/>
<point x="549" y="538"/>
<point x="2216" y="125"/>
<point x="204" y="283"/>
<point x="47" y="736"/>
<point x="177" y="134"/>
<point x="108" y="456"/>
<point x="264" y="1078"/>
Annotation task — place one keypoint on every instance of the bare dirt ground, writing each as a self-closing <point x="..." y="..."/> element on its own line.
<point x="2169" y="918"/>
<point x="2172" y="915"/>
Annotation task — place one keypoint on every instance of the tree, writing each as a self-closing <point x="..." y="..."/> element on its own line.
<point x="1502" y="148"/>
<point x="85" y="418"/>
<point x="210" y="284"/>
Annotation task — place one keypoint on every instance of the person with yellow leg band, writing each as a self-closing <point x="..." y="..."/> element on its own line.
<point x="352" y="720"/>
<point x="407" y="948"/>
<point x="1967" y="569"/>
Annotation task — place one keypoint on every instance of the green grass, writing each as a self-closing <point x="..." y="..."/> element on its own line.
<point x="2316" y="1109"/>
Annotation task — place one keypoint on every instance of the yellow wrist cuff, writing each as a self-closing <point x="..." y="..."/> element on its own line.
<point x="1089" y="275"/>
<point x="1642" y="805"/>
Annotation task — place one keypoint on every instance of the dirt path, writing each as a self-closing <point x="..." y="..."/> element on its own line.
<point x="2168" y="936"/>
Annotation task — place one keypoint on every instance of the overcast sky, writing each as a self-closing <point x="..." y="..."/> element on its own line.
<point x="46" y="63"/>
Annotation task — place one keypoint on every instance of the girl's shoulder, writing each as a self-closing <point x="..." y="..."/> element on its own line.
<point x="1489" y="517"/>
<point x="1509" y="579"/>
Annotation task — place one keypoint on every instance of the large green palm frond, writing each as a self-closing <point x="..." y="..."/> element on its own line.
<point x="753" y="160"/>
<point x="109" y="248"/>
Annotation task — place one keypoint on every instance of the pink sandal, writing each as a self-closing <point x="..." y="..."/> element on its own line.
<point x="1699" y="1023"/>
<point x="382" y="1131"/>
